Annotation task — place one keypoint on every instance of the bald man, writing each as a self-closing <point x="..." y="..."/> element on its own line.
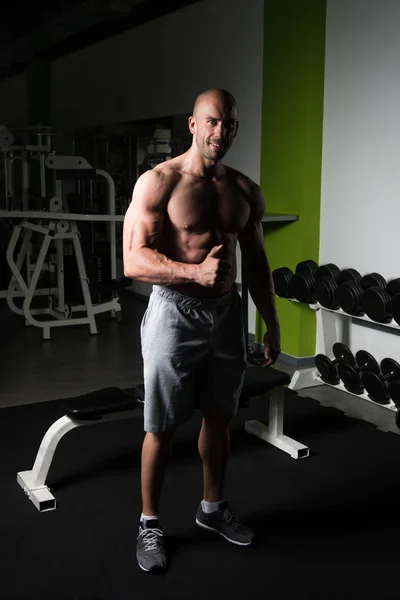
<point x="180" y="234"/>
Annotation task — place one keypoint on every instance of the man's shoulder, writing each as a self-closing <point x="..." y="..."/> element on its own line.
<point x="169" y="170"/>
<point x="162" y="178"/>
<point x="251" y="192"/>
<point x="247" y="185"/>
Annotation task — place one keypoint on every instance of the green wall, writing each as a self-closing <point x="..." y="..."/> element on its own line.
<point x="291" y="152"/>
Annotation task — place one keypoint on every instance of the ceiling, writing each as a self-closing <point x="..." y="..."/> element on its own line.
<point x="48" y="29"/>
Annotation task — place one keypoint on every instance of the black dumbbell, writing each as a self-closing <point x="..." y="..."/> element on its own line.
<point x="320" y="284"/>
<point x="303" y="282"/>
<point x="306" y="267"/>
<point x="325" y="282"/>
<point x="311" y="282"/>
<point x="302" y="285"/>
<point x="327" y="367"/>
<point x="282" y="278"/>
<point x="351" y="375"/>
<point x="377" y="301"/>
<point x="350" y="293"/>
<point x="327" y="270"/>
<point x="327" y="285"/>
<point x="376" y="383"/>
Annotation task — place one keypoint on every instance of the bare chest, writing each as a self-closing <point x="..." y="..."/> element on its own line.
<point x="206" y="206"/>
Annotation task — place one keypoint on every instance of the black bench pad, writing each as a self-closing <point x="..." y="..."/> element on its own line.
<point x="102" y="402"/>
<point x="260" y="380"/>
<point x="257" y="381"/>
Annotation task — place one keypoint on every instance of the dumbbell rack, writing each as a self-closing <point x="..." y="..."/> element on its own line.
<point x="327" y="322"/>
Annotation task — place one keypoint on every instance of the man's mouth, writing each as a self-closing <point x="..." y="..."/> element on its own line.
<point x="216" y="145"/>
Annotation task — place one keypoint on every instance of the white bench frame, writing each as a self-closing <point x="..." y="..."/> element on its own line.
<point x="33" y="482"/>
<point x="273" y="432"/>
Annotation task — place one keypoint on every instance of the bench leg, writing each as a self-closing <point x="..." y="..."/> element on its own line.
<point x="304" y="378"/>
<point x="34" y="482"/>
<point x="273" y="432"/>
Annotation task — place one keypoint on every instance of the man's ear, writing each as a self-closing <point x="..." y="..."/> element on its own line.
<point x="237" y="127"/>
<point x="192" y="124"/>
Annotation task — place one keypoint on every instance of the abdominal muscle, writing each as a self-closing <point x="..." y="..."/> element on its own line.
<point x="194" y="249"/>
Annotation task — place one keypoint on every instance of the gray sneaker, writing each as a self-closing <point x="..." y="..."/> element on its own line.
<point x="224" y="522"/>
<point x="150" y="551"/>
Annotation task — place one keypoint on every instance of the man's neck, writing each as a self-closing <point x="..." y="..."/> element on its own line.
<point x="201" y="167"/>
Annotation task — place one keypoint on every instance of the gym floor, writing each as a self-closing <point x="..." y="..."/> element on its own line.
<point x="328" y="520"/>
<point x="73" y="362"/>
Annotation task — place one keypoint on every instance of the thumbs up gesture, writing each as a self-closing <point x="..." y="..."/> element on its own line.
<point x="213" y="270"/>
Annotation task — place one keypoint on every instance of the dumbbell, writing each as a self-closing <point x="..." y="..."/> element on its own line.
<point x="322" y="285"/>
<point x="350" y="293"/>
<point x="306" y="267"/>
<point x="382" y="386"/>
<point x="302" y="285"/>
<point x="283" y="277"/>
<point x="303" y="282"/>
<point x="328" y="282"/>
<point x="351" y="375"/>
<point x="327" y="367"/>
<point x="378" y="302"/>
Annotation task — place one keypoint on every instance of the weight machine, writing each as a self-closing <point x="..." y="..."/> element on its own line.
<point x="56" y="226"/>
<point x="22" y="150"/>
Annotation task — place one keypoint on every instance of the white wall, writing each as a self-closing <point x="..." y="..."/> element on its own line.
<point x="360" y="210"/>
<point x="158" y="69"/>
<point x="14" y="101"/>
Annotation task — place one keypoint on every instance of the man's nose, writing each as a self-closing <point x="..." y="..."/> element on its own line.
<point x="220" y="129"/>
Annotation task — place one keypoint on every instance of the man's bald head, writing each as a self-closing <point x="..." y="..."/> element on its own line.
<point x="212" y="95"/>
<point x="214" y="123"/>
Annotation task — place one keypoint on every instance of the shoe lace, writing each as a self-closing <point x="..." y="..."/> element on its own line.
<point x="231" y="518"/>
<point x="150" y="537"/>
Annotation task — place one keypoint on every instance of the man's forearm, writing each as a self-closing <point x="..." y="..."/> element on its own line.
<point x="150" y="266"/>
<point x="261" y="289"/>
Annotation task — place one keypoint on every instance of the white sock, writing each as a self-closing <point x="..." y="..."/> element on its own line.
<point x="210" y="507"/>
<point x="147" y="517"/>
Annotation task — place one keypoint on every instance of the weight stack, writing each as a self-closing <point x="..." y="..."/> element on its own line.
<point x="98" y="271"/>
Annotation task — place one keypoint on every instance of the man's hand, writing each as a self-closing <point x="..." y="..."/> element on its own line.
<point x="272" y="342"/>
<point x="213" y="271"/>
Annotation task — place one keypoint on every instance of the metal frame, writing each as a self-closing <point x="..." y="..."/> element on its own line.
<point x="61" y="316"/>
<point x="36" y="143"/>
<point x="62" y="225"/>
<point x="273" y="432"/>
<point x="33" y="482"/>
<point x="327" y="324"/>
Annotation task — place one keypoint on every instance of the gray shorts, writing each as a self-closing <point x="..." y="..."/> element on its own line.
<point x="194" y="355"/>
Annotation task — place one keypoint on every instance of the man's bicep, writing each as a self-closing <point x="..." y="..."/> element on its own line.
<point x="144" y="218"/>
<point x="144" y="225"/>
<point x="251" y="240"/>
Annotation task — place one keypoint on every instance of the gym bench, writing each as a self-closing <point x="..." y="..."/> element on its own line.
<point x="113" y="404"/>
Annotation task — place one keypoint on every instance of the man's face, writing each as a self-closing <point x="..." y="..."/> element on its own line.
<point x="214" y="128"/>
